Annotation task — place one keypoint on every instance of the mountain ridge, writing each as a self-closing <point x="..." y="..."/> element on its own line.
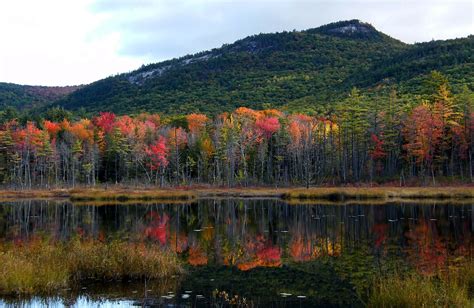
<point x="29" y="96"/>
<point x="312" y="67"/>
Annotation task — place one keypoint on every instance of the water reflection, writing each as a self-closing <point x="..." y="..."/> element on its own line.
<point x="247" y="234"/>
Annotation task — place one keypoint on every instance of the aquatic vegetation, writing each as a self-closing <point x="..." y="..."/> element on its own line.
<point x="223" y="298"/>
<point x="383" y="193"/>
<point x="32" y="270"/>
<point x="125" y="194"/>
<point x="415" y="290"/>
<point x="115" y="194"/>
<point x="41" y="267"/>
<point x="330" y="195"/>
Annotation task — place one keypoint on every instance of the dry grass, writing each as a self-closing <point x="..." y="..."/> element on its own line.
<point x="100" y="194"/>
<point x="330" y="194"/>
<point x="112" y="202"/>
<point x="380" y="202"/>
<point x="40" y="267"/>
<point x="414" y="290"/>
<point x="381" y="193"/>
<point x="129" y="194"/>
<point x="117" y="260"/>
<point x="6" y="195"/>
<point x="248" y="192"/>
<point x="33" y="270"/>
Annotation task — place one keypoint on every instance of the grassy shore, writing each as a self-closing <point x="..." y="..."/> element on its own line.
<point x="380" y="193"/>
<point x="130" y="194"/>
<point x="40" y="267"/>
<point x="116" y="194"/>
<point x="332" y="194"/>
<point x="381" y="202"/>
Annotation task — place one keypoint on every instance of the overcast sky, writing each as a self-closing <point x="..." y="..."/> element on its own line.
<point x="67" y="42"/>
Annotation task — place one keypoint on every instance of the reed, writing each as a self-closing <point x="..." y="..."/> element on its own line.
<point x="42" y="267"/>
<point x="414" y="290"/>
<point x="32" y="270"/>
<point x="380" y="202"/>
<point x="100" y="203"/>
<point x="333" y="194"/>
<point x="33" y="194"/>
<point x="129" y="194"/>
<point x="244" y="192"/>
<point x="381" y="193"/>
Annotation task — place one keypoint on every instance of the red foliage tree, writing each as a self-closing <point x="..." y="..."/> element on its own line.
<point x="105" y="121"/>
<point x="377" y="151"/>
<point x="157" y="153"/>
<point x="126" y="125"/>
<point x="196" y="122"/>
<point x="53" y="128"/>
<point x="268" y="126"/>
<point x="424" y="132"/>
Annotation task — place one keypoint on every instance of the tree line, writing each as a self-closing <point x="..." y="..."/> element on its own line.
<point x="359" y="140"/>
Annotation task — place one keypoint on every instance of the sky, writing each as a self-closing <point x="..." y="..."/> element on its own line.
<point x="69" y="42"/>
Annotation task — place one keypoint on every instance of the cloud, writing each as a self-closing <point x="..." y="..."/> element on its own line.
<point x="70" y="42"/>
<point x="164" y="29"/>
<point x="50" y="42"/>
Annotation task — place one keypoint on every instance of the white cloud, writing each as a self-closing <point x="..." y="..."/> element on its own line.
<point x="58" y="42"/>
<point x="51" y="42"/>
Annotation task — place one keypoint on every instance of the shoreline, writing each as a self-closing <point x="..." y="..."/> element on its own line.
<point x="295" y="194"/>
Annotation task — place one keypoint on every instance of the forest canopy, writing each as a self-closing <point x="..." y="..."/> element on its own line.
<point x="359" y="140"/>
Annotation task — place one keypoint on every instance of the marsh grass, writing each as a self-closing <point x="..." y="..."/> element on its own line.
<point x="32" y="270"/>
<point x="380" y="193"/>
<point x="100" y="203"/>
<point x="6" y="195"/>
<point x="42" y="267"/>
<point x="380" y="202"/>
<point x="244" y="192"/>
<point x="129" y="194"/>
<point x="415" y="290"/>
<point x="118" y="193"/>
<point x="123" y="194"/>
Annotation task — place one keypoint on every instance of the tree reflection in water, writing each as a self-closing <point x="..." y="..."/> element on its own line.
<point x="246" y="234"/>
<point x="252" y="233"/>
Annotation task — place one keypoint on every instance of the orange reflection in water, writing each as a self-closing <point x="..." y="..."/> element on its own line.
<point x="197" y="256"/>
<point x="301" y="250"/>
<point x="427" y="251"/>
<point x="259" y="252"/>
<point x="178" y="242"/>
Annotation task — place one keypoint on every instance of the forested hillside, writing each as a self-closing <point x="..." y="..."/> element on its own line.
<point x="362" y="140"/>
<point x="300" y="71"/>
<point x="27" y="97"/>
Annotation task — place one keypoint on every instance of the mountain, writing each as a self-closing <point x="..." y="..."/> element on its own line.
<point x="297" y="70"/>
<point x="27" y="97"/>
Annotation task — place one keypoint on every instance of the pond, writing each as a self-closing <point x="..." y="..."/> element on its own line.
<point x="259" y="252"/>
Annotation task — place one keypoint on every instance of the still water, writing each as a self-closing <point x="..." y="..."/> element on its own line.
<point x="264" y="252"/>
